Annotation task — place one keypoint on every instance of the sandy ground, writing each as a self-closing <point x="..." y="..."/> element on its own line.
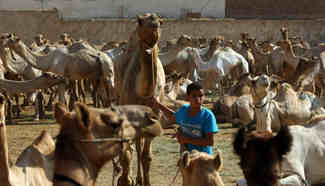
<point x="165" y="150"/>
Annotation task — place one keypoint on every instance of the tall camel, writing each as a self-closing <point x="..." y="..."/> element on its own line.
<point x="143" y="79"/>
<point x="76" y="62"/>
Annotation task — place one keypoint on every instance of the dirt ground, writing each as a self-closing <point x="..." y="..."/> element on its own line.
<point x="165" y="150"/>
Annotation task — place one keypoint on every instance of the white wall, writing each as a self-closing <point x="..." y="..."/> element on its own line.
<point x="85" y="9"/>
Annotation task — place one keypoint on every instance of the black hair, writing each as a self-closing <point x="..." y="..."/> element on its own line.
<point x="193" y="86"/>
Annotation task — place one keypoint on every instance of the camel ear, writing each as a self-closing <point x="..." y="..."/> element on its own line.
<point x="110" y="121"/>
<point x="218" y="160"/>
<point x="59" y="111"/>
<point x="140" y="19"/>
<point x="83" y="114"/>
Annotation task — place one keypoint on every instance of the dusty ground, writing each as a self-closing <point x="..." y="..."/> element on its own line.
<point x="165" y="150"/>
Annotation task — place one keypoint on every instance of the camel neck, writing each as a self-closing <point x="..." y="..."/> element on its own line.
<point x="31" y="58"/>
<point x="289" y="51"/>
<point x="148" y="71"/>
<point x="69" y="158"/>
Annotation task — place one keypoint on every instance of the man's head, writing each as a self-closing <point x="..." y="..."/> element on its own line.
<point x="195" y="94"/>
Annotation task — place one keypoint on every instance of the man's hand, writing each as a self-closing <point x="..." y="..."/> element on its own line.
<point x="180" y="137"/>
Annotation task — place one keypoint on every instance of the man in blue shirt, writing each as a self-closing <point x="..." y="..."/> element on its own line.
<point x="197" y="124"/>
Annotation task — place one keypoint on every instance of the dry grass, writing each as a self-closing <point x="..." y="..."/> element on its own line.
<point x="165" y="150"/>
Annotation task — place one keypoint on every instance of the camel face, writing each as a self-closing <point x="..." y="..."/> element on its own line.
<point x="39" y="39"/>
<point x="199" y="169"/>
<point x="217" y="41"/>
<point x="89" y="123"/>
<point x="16" y="44"/>
<point x="4" y="39"/>
<point x="149" y="29"/>
<point x="260" y="158"/>
<point x="184" y="41"/>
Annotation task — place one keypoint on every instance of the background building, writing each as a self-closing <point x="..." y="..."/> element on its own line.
<point x="86" y="9"/>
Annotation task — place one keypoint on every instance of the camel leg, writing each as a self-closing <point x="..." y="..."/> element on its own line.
<point x="139" y="147"/>
<point x="73" y="94"/>
<point x="81" y="90"/>
<point x="9" y="108"/>
<point x="39" y="105"/>
<point x="17" y="106"/>
<point x="49" y="105"/>
<point x="94" y="93"/>
<point x="125" y="160"/>
<point x="146" y="160"/>
<point x="61" y="92"/>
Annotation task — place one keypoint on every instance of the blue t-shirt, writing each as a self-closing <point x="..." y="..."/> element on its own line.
<point x="196" y="127"/>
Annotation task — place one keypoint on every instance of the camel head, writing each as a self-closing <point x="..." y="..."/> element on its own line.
<point x="39" y="39"/>
<point x="148" y="29"/>
<point x="260" y="158"/>
<point x="65" y="39"/>
<point x="251" y="42"/>
<point x="4" y="38"/>
<point x="185" y="41"/>
<point x="200" y="169"/>
<point x="267" y="46"/>
<point x="216" y="42"/>
<point x="244" y="36"/>
<point x="203" y="41"/>
<point x="285" y="33"/>
<point x="85" y="125"/>
<point x="229" y="43"/>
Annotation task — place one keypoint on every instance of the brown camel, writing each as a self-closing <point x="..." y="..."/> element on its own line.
<point x="143" y="79"/>
<point x="88" y="138"/>
<point x="296" y="69"/>
<point x="266" y="62"/>
<point x="76" y="62"/>
<point x="246" y="52"/>
<point x="201" y="169"/>
<point x="236" y="105"/>
<point x="260" y="158"/>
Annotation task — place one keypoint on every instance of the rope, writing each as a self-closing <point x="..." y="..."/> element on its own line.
<point x="104" y="140"/>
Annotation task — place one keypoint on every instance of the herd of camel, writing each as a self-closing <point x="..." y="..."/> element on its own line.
<point x="279" y="84"/>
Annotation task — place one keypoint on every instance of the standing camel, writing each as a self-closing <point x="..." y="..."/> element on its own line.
<point x="76" y="62"/>
<point x="18" y="67"/>
<point x="144" y="78"/>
